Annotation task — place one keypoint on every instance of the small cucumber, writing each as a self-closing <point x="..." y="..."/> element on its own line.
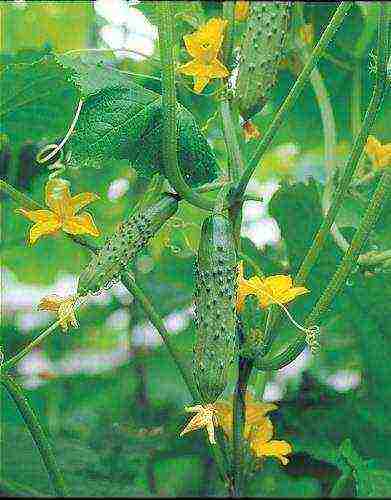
<point x="121" y="247"/>
<point x="215" y="310"/>
<point x="261" y="53"/>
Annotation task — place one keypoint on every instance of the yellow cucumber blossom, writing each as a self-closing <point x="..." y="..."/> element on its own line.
<point x="379" y="154"/>
<point x="62" y="214"/>
<point x="241" y="10"/>
<point x="63" y="307"/>
<point x="205" y="416"/>
<point x="262" y="444"/>
<point x="277" y="289"/>
<point x="204" y="46"/>
<point x="255" y="414"/>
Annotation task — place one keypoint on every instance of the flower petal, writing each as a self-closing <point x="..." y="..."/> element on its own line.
<point x="50" y="303"/>
<point x="241" y="10"/>
<point x="291" y="294"/>
<point x="43" y="228"/>
<point x="274" y="448"/>
<point x="279" y="282"/>
<point x="193" y="68"/>
<point x="250" y="131"/>
<point x="37" y="215"/>
<point x="81" y="224"/>
<point x="216" y="69"/>
<point x="261" y="433"/>
<point x="81" y="200"/>
<point x="58" y="196"/>
<point x="66" y="314"/>
<point x="200" y="83"/>
<point x="204" y="44"/>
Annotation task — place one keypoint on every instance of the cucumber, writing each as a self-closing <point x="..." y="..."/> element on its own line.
<point x="215" y="307"/>
<point x="121" y="247"/>
<point x="261" y="53"/>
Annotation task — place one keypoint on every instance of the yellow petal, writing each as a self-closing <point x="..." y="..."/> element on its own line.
<point x="58" y="196"/>
<point x="205" y="43"/>
<point x="274" y="449"/>
<point x="81" y="200"/>
<point x="278" y="282"/>
<point x="81" y="224"/>
<point x="216" y="69"/>
<point x="194" y="68"/>
<point x="261" y="433"/>
<point x="42" y="229"/>
<point x="291" y="294"/>
<point x="384" y="156"/>
<point x="373" y="145"/>
<point x="205" y="417"/>
<point x="50" y="303"/>
<point x="244" y="288"/>
<point x="37" y="215"/>
<point x="200" y="83"/>
<point x="66" y="314"/>
<point x="241" y="10"/>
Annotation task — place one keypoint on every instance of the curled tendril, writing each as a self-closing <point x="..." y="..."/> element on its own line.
<point x="311" y="332"/>
<point x="58" y="147"/>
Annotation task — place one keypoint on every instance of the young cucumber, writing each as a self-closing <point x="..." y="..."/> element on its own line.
<point x="215" y="312"/>
<point x="121" y="247"/>
<point x="261" y="53"/>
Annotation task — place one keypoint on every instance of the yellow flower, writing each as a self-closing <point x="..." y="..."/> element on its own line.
<point x="205" y="416"/>
<point x="62" y="213"/>
<point x="379" y="155"/>
<point x="63" y="307"/>
<point x="204" y="46"/>
<point x="250" y="131"/>
<point x="271" y="290"/>
<point x="241" y="10"/>
<point x="255" y="414"/>
<point x="306" y="33"/>
<point x="263" y="445"/>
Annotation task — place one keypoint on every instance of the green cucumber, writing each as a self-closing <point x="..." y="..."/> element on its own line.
<point x="261" y="53"/>
<point x="122" y="247"/>
<point x="215" y="307"/>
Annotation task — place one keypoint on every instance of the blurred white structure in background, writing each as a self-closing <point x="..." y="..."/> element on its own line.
<point x="127" y="29"/>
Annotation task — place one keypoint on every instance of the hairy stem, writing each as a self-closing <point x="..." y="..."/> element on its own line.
<point x="130" y="284"/>
<point x="359" y="143"/>
<point x="370" y="218"/>
<point x="170" y="157"/>
<point x="293" y="95"/>
<point x="37" y="433"/>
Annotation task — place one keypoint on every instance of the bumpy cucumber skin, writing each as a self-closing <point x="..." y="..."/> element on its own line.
<point x="261" y="53"/>
<point x="121" y="247"/>
<point x="215" y="310"/>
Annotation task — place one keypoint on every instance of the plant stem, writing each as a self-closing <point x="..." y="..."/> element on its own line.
<point x="130" y="284"/>
<point x="350" y="168"/>
<point x="293" y="95"/>
<point x="37" y="341"/>
<point x="170" y="157"/>
<point x="340" y="486"/>
<point x="20" y="490"/>
<point x="37" y="433"/>
<point x="370" y="218"/>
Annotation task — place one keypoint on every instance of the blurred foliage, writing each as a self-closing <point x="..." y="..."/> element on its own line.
<point x="115" y="432"/>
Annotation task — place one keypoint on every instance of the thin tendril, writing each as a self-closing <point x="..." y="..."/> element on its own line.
<point x="58" y="147"/>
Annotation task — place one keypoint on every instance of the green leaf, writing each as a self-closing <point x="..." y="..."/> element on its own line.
<point x="37" y="102"/>
<point x="370" y="481"/>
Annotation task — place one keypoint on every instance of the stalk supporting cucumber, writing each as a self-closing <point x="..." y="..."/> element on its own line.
<point x="261" y="53"/>
<point x="215" y="311"/>
<point x="121" y="247"/>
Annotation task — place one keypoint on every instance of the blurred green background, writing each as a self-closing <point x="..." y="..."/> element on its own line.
<point x="108" y="394"/>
